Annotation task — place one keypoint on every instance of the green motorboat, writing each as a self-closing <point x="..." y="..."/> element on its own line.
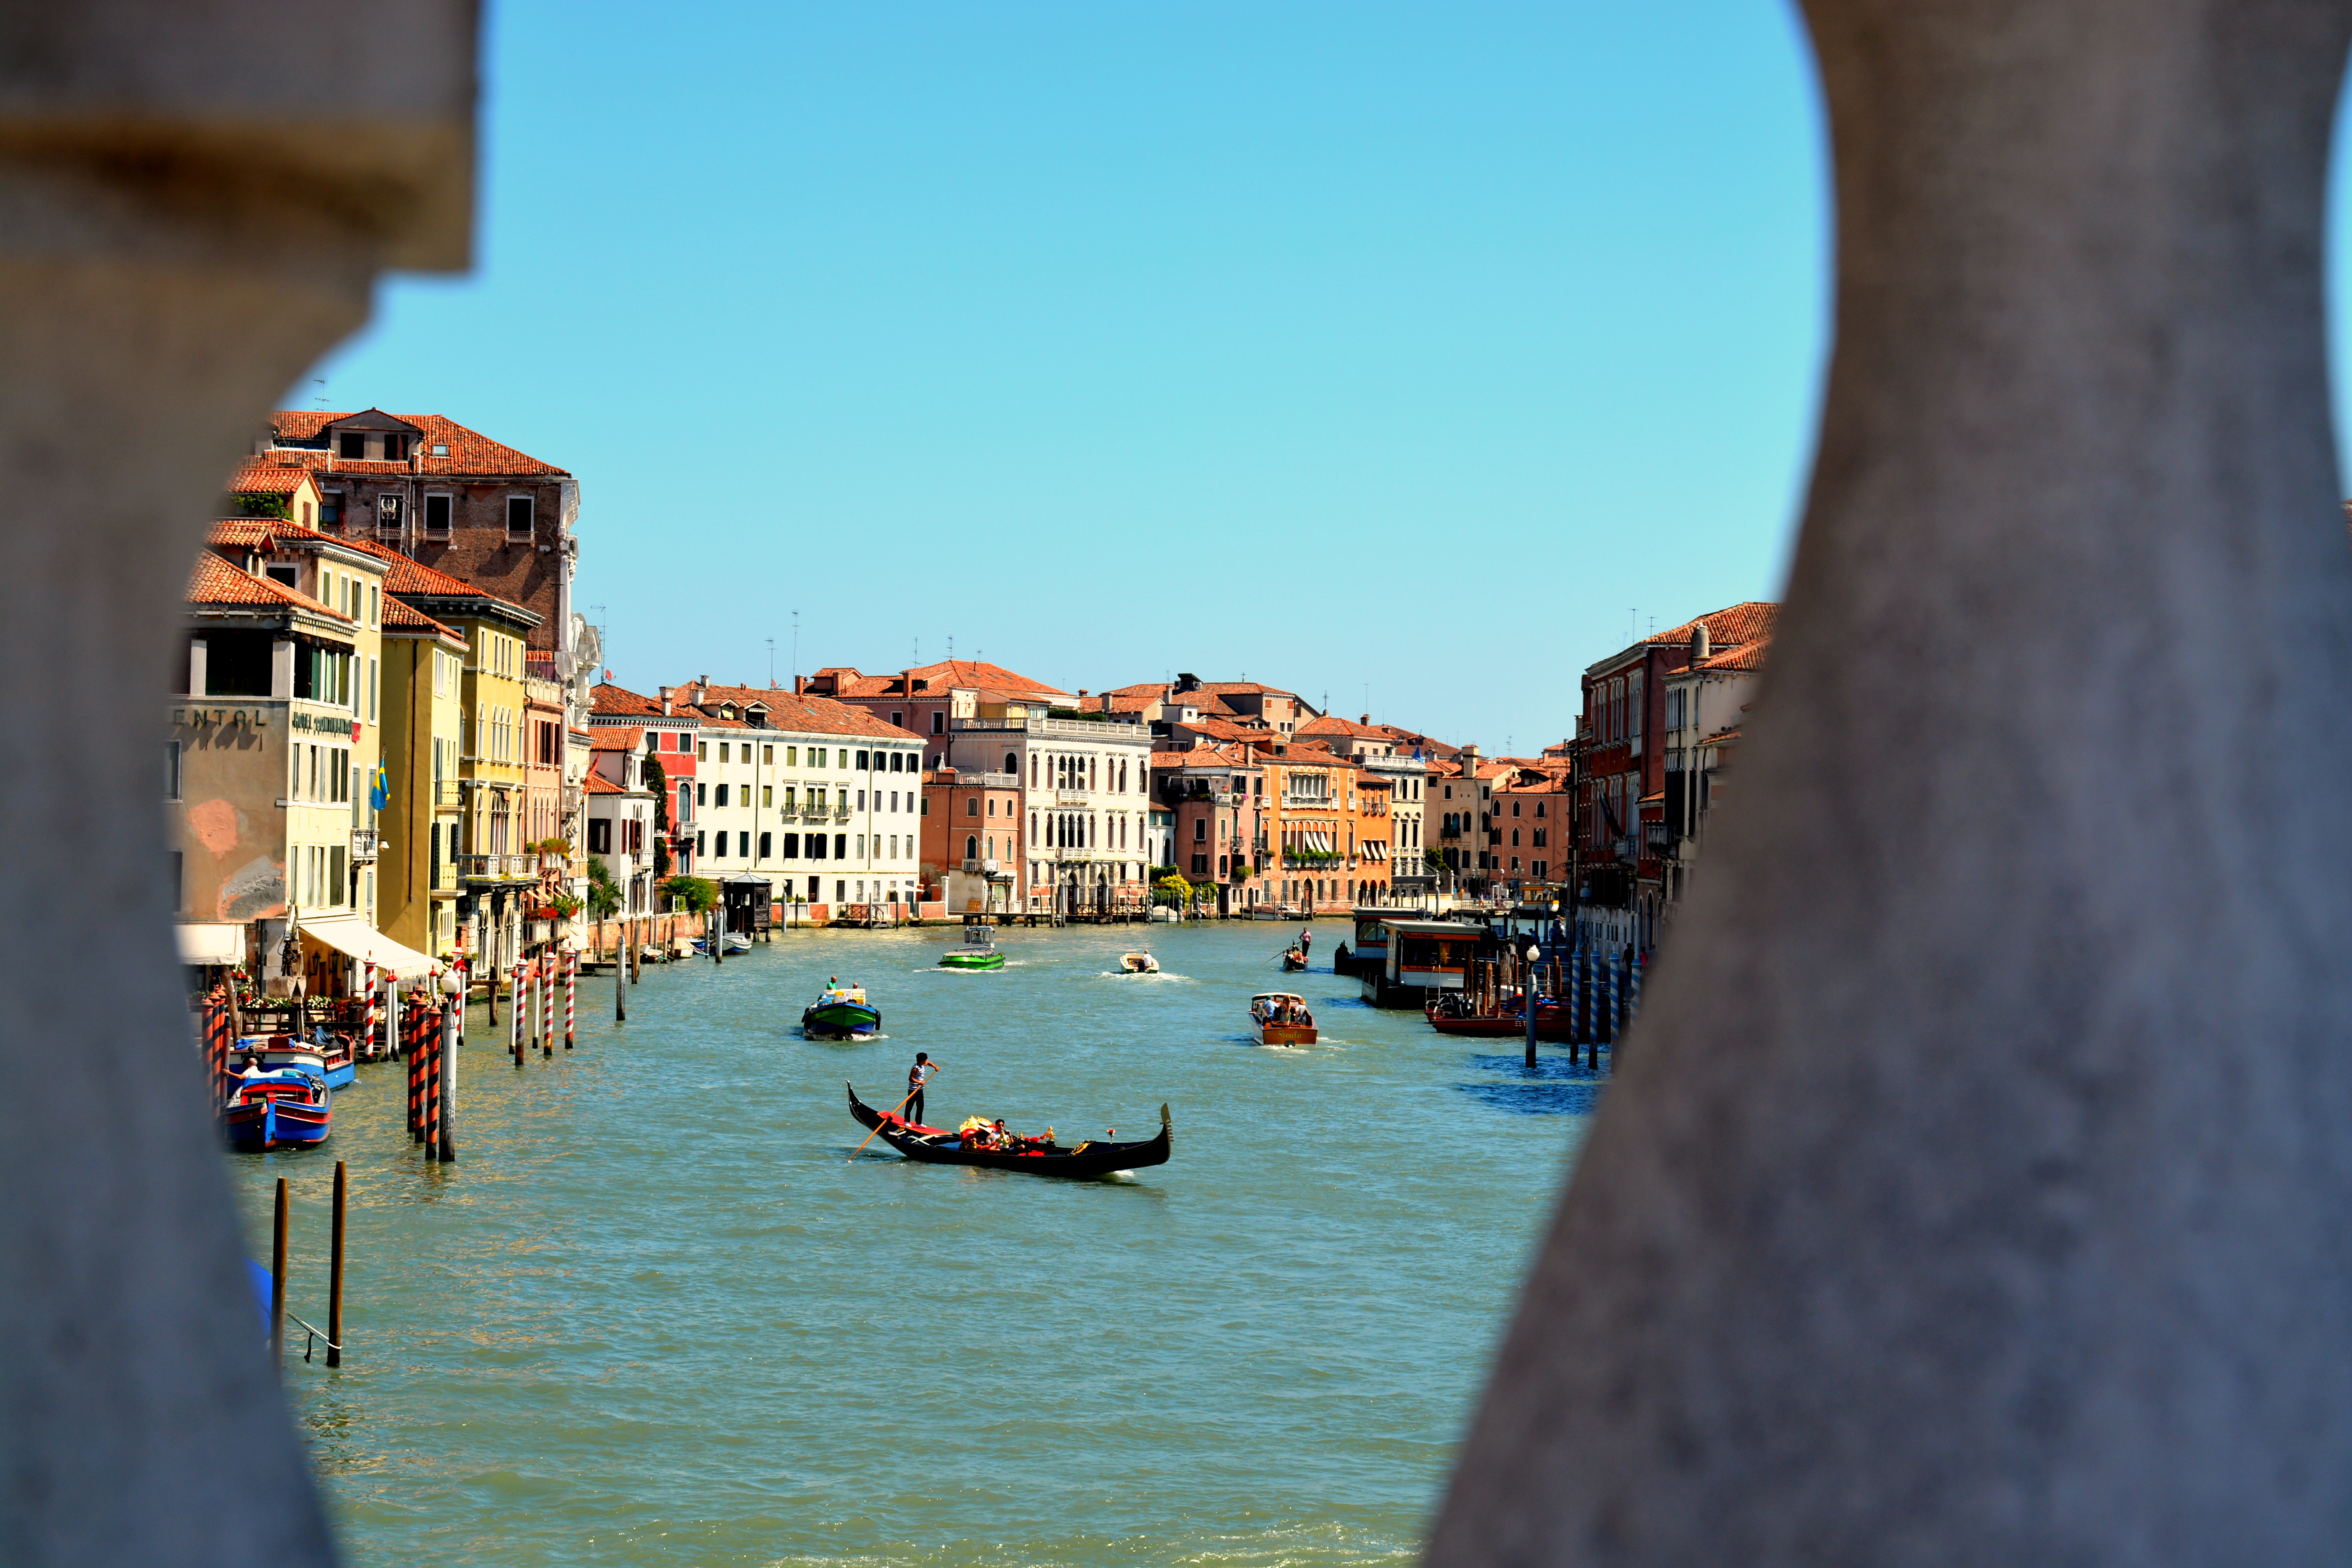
<point x="978" y="951"/>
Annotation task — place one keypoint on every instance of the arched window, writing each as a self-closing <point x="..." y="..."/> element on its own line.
<point x="1011" y="764"/>
<point x="971" y="847"/>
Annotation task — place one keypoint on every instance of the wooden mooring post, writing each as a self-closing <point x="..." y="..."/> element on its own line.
<point x="278" y="1284"/>
<point x="444" y="1078"/>
<point x="335" y="1277"/>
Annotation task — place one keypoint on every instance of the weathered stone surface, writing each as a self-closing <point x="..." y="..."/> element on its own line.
<point x="168" y="264"/>
<point x="1976" y="1190"/>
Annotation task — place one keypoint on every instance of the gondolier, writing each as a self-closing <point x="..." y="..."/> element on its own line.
<point x="916" y="1077"/>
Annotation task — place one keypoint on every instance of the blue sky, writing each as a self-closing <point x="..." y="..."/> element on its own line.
<point x="1407" y="355"/>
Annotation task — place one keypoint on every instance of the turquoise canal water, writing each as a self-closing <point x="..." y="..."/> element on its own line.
<point x="656" y="1314"/>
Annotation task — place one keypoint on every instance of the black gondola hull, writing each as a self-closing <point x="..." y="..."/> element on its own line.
<point x="1087" y="1162"/>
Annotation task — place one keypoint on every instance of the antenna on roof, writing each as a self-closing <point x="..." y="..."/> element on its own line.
<point x="772" y="664"/>
<point x="796" y="652"/>
<point x="320" y="399"/>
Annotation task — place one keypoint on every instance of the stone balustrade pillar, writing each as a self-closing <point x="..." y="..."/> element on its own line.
<point x="194" y="200"/>
<point x="1978" y="1186"/>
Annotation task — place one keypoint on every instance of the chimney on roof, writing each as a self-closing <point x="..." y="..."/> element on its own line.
<point x="1188" y="682"/>
<point x="1699" y="645"/>
<point x="1365" y="721"/>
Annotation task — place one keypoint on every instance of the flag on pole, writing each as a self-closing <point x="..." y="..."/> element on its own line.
<point x="379" y="787"/>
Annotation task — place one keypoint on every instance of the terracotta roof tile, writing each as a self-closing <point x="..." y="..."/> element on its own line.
<point x="616" y="738"/>
<point x="399" y="615"/>
<point x="264" y="479"/>
<point x="1746" y="656"/>
<point x="402" y="575"/>
<point x="215" y="582"/>
<point x="597" y="784"/>
<point x="470" y="451"/>
<point x="809" y="714"/>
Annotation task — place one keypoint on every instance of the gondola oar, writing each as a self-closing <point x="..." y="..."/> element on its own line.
<point x="893" y="1112"/>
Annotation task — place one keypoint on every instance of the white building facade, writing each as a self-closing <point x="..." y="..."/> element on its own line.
<point x="1085" y="804"/>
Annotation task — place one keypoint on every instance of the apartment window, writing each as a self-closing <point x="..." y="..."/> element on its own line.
<point x="600" y="836"/>
<point x="722" y="752"/>
<point x="971" y="847"/>
<point x="723" y="795"/>
<point x="742" y="846"/>
<point x="817" y="756"/>
<point x="767" y="796"/>
<point x="841" y="846"/>
<point x="387" y="513"/>
<point x="792" y="756"/>
<point x="767" y="756"/>
<point x="898" y="720"/>
<point x="767" y="841"/>
<point x="939" y="723"/>
<point x="701" y="795"/>
<point x="865" y="762"/>
<point x="331" y="509"/>
<point x="791" y="846"/>
<point x="817" y="845"/>
<point x="519" y="529"/>
<point x="702" y="751"/>
<point x="351" y="444"/>
<point x="396" y="449"/>
<point x="437" y="516"/>
<point x="1200" y="865"/>
<point x="684" y="801"/>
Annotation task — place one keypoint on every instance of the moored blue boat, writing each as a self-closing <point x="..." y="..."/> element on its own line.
<point x="289" y="1107"/>
<point x="331" y="1061"/>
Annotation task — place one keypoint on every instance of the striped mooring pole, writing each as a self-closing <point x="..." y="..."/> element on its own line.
<point x="570" y="995"/>
<point x="547" y="963"/>
<point x="1633" y="983"/>
<point x="368" y="1041"/>
<point x="514" y="1011"/>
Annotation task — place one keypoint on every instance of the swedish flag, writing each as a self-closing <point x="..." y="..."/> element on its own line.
<point x="379" y="787"/>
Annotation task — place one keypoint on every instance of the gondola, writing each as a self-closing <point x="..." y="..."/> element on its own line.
<point x="938" y="1146"/>
<point x="1293" y="961"/>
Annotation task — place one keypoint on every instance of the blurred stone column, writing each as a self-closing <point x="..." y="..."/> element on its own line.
<point x="1977" y="1189"/>
<point x="194" y="199"/>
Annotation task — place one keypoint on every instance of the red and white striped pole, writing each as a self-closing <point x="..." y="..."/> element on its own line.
<point x="571" y="994"/>
<point x="515" y="995"/>
<point x="367" y="1030"/>
<point x="547" y="1003"/>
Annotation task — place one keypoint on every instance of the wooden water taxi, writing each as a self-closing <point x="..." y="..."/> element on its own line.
<point x="1282" y="1019"/>
<point x="1037" y="1156"/>
<point x="841" y="1013"/>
